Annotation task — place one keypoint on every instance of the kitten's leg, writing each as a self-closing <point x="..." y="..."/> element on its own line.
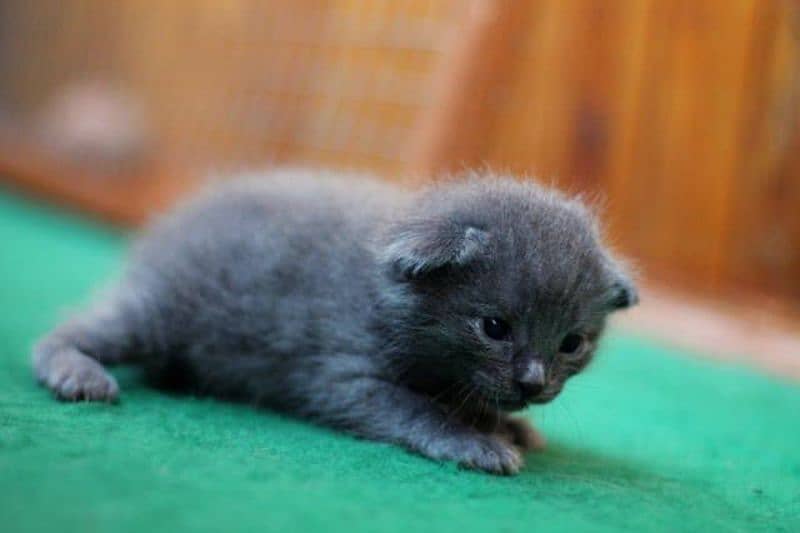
<point x="516" y="430"/>
<point x="380" y="410"/>
<point x="522" y="433"/>
<point x="69" y="360"/>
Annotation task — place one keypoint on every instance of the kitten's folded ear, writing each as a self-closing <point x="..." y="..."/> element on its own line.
<point x="623" y="292"/>
<point x="420" y="248"/>
<point x="624" y="295"/>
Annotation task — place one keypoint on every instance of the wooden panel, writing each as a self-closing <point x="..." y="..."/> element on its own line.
<point x="242" y="82"/>
<point x="468" y="90"/>
<point x="763" y="241"/>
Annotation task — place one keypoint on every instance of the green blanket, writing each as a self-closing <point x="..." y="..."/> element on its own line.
<point x="648" y="439"/>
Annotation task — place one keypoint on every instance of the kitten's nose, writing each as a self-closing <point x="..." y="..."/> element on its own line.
<point x="532" y="380"/>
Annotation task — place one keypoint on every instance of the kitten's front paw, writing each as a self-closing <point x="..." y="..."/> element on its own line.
<point x="490" y="454"/>
<point x="522" y="434"/>
<point x="74" y="376"/>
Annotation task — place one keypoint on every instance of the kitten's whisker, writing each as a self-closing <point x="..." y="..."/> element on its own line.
<point x="452" y="412"/>
<point x="481" y="412"/>
<point x="498" y="414"/>
<point x="464" y="401"/>
<point x="444" y="391"/>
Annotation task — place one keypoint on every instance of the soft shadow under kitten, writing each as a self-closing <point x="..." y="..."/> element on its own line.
<point x="417" y="318"/>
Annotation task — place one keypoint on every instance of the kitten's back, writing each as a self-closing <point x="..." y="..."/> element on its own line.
<point x="283" y="258"/>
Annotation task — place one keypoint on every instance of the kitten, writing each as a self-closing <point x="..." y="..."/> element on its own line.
<point x="417" y="318"/>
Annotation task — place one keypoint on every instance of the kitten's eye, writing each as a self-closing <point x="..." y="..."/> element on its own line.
<point x="496" y="328"/>
<point x="571" y="343"/>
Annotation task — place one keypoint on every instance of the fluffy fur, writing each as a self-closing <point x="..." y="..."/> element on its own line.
<point x="418" y="318"/>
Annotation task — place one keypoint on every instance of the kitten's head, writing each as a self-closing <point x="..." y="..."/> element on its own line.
<point x="506" y="287"/>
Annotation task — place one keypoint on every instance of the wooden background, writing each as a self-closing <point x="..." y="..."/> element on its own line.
<point x="682" y="115"/>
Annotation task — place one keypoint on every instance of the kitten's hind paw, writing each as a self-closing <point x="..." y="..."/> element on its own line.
<point x="72" y="376"/>
<point x="522" y="434"/>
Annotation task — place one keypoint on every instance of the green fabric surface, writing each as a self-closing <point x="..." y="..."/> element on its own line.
<point x="648" y="439"/>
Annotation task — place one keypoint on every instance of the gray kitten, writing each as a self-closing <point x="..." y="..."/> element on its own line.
<point x="417" y="318"/>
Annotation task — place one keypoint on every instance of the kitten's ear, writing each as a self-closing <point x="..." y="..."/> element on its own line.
<point x="622" y="292"/>
<point x="420" y="248"/>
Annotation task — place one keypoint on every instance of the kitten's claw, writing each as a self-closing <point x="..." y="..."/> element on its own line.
<point x="75" y="377"/>
<point x="522" y="434"/>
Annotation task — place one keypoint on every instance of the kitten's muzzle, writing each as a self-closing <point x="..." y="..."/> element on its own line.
<point x="531" y="379"/>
